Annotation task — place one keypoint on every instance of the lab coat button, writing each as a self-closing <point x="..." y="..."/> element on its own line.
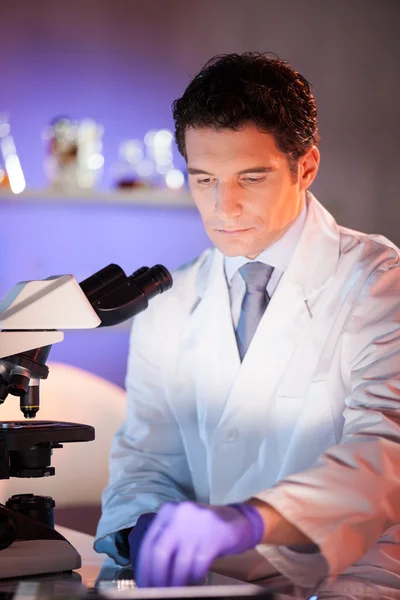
<point x="232" y="434"/>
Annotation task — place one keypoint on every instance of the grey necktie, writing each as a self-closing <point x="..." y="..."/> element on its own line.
<point x="256" y="276"/>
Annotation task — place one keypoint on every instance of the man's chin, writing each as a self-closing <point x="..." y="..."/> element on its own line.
<point x="234" y="246"/>
<point x="232" y="250"/>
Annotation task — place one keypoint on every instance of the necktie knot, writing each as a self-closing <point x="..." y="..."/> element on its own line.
<point x="256" y="276"/>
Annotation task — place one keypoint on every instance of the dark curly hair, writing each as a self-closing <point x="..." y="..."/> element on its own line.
<point x="234" y="89"/>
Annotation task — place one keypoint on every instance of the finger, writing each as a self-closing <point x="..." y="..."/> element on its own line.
<point x="148" y="547"/>
<point x="181" y="565"/>
<point x="201" y="564"/>
<point x="163" y="558"/>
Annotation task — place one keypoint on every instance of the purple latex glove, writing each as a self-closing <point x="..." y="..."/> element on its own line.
<point x="136" y="536"/>
<point x="185" y="538"/>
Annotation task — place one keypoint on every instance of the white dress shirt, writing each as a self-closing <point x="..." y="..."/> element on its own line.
<point x="277" y="255"/>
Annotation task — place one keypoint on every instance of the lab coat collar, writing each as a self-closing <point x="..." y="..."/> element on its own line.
<point x="316" y="257"/>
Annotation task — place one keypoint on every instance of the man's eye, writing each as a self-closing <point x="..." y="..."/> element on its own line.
<point x="205" y="181"/>
<point x="253" y="179"/>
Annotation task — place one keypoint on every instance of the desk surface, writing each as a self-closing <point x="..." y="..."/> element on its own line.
<point x="115" y="581"/>
<point x="83" y="583"/>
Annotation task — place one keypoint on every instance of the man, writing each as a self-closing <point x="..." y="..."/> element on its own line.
<point x="263" y="390"/>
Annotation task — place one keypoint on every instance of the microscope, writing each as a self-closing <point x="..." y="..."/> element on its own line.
<point x="31" y="316"/>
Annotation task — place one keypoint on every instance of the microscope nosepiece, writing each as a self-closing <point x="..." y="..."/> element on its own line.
<point x="18" y="384"/>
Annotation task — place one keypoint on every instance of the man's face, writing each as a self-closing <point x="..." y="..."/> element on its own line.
<point x="243" y="187"/>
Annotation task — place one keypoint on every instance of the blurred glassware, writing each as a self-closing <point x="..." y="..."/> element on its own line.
<point x="149" y="163"/>
<point x="159" y="151"/>
<point x="128" y="172"/>
<point x="74" y="160"/>
<point x="4" y="181"/>
<point x="11" y="176"/>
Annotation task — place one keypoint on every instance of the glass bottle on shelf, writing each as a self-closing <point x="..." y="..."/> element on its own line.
<point x="74" y="160"/>
<point x="11" y="173"/>
<point x="132" y="170"/>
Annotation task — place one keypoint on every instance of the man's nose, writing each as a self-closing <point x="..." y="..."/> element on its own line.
<point x="227" y="203"/>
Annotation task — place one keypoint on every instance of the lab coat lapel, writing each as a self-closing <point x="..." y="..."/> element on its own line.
<point x="209" y="346"/>
<point x="246" y="452"/>
<point x="273" y="342"/>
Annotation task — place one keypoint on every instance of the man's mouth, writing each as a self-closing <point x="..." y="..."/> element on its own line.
<point x="233" y="231"/>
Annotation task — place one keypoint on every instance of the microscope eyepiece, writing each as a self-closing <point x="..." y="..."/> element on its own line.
<point x="102" y="282"/>
<point x="153" y="281"/>
<point x="116" y="297"/>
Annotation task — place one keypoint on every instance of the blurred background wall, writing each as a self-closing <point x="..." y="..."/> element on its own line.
<point x="122" y="62"/>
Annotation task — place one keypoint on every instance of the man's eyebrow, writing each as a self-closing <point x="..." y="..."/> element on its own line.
<point x="256" y="170"/>
<point x="193" y="171"/>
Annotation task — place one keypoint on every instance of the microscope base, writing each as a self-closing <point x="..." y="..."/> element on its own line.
<point x="37" y="557"/>
<point x="34" y="548"/>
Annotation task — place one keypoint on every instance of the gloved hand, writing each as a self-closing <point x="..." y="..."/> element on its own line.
<point x="185" y="538"/>
<point x="136" y="536"/>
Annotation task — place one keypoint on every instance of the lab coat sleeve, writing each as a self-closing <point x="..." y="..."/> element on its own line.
<point x="148" y="465"/>
<point x="346" y="501"/>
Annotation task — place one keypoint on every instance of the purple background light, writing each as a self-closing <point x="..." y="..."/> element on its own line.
<point x="62" y="236"/>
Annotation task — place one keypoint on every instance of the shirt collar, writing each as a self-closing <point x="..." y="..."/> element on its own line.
<point x="277" y="255"/>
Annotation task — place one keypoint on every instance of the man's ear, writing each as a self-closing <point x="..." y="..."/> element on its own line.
<point x="308" y="167"/>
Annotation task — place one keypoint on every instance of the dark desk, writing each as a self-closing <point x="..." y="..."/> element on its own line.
<point x="101" y="578"/>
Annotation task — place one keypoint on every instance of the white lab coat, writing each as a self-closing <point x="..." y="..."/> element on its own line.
<point x="309" y="421"/>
